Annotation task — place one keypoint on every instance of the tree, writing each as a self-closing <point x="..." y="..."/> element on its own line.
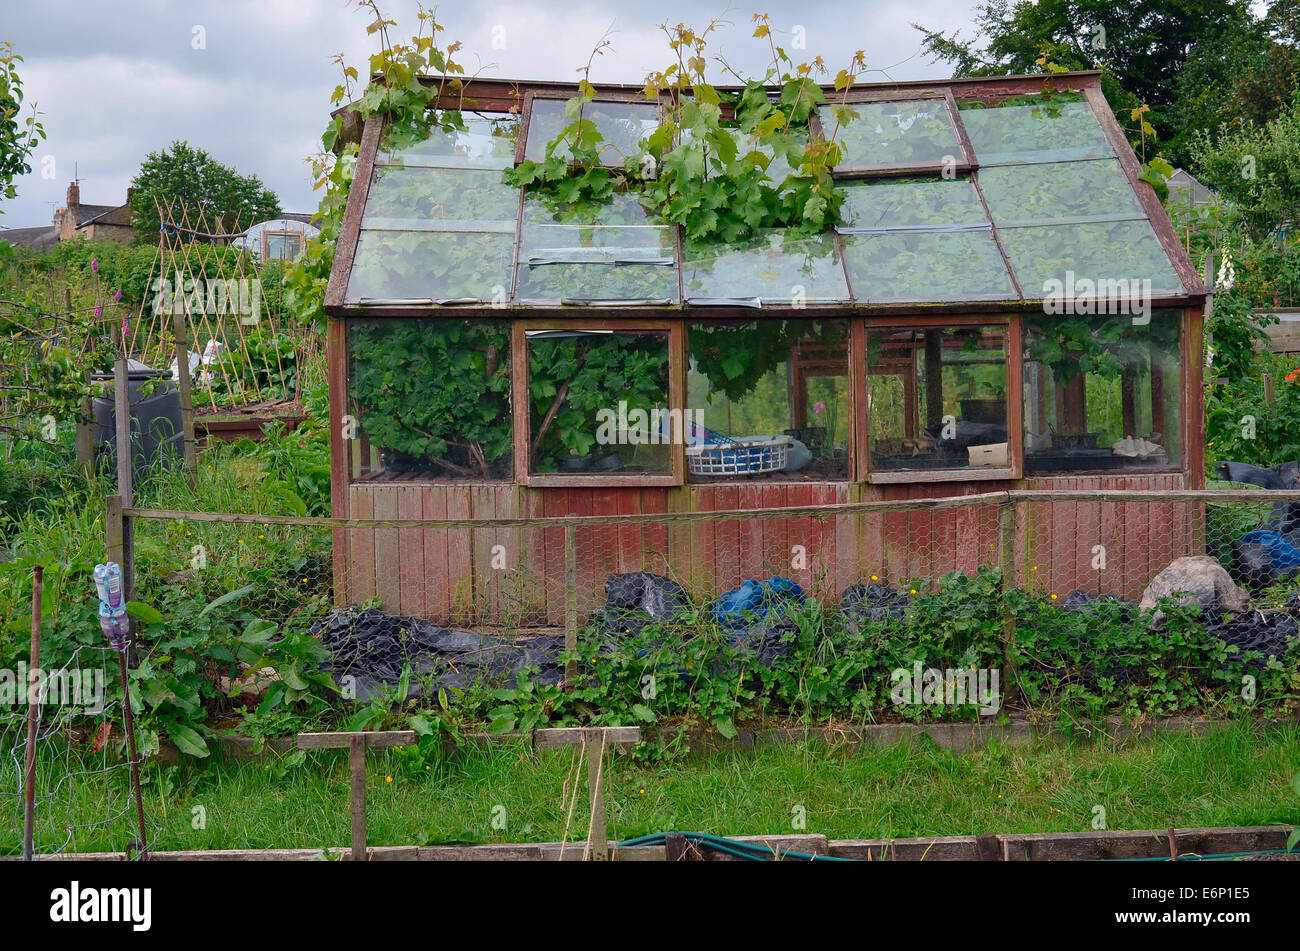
<point x="18" y="136"/>
<point x="217" y="199"/>
<point x="1257" y="168"/>
<point x="1142" y="48"/>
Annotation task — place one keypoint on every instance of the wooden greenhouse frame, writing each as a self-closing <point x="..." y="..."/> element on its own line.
<point x="439" y="573"/>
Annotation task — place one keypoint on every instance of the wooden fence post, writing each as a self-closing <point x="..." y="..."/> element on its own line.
<point x="356" y="744"/>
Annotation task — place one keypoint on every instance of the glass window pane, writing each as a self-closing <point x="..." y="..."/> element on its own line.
<point x="926" y="266"/>
<point x="598" y="402"/>
<point x="937" y="398"/>
<point x="1059" y="192"/>
<point x="614" y="253"/>
<point x="911" y="203"/>
<point x="488" y="141"/>
<point x="415" y="265"/>
<point x="770" y="400"/>
<point x="776" y="267"/>
<point x="440" y="199"/>
<point x="1102" y="393"/>
<point x="893" y="133"/>
<point x="1110" y="252"/>
<point x="1042" y="131"/>
<point x="622" y="127"/>
<point x="432" y="399"/>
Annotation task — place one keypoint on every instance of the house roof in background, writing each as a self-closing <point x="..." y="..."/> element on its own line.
<point x="39" y="238"/>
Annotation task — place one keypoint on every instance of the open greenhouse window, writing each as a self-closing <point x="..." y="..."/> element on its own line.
<point x="938" y="403"/>
<point x="1102" y="393"/>
<point x="430" y="400"/>
<point x="1055" y="126"/>
<point x="769" y="400"/>
<point x="897" y="136"/>
<point x="599" y="402"/>
<point x="439" y="225"/>
<point x="614" y="254"/>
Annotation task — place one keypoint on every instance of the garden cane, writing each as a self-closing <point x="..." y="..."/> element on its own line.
<point x="116" y="626"/>
<point x="33" y="718"/>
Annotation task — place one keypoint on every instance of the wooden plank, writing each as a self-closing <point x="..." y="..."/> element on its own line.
<point x="460" y="565"/>
<point x="434" y="541"/>
<point x="555" y="737"/>
<point x="411" y="567"/>
<point x="554" y="502"/>
<point x="654" y="537"/>
<point x="750" y="563"/>
<point x="388" y="557"/>
<point x="776" y="532"/>
<point x="728" y="566"/>
<point x="361" y="546"/>
<point x="368" y="739"/>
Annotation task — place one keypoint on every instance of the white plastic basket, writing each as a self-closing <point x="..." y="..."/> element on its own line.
<point x="748" y="456"/>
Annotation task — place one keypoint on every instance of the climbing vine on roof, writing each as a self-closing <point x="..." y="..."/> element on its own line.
<point x="721" y="164"/>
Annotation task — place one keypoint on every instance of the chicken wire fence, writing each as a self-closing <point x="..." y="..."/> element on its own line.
<point x="507" y="574"/>
<point x="81" y="780"/>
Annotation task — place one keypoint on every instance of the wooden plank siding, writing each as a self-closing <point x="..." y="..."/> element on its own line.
<point x="447" y="575"/>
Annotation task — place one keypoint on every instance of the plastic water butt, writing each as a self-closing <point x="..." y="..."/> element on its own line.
<point x="156" y="430"/>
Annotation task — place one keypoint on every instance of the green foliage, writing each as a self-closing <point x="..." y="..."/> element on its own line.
<point x="216" y="198"/>
<point x="18" y="136"/>
<point x="1257" y="168"/>
<point x="570" y="379"/>
<point x="711" y="166"/>
<point x="399" y="95"/>
<point x="463" y="423"/>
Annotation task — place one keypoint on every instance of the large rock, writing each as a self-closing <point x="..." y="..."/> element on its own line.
<point x="1197" y="579"/>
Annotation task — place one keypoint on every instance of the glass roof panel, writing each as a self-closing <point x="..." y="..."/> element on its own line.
<point x="424" y="265"/>
<point x="774" y="268"/>
<point x="1046" y="131"/>
<point x="488" y="141"/>
<point x="926" y="266"/>
<point x="615" y="253"/>
<point x="1099" y="251"/>
<point x="893" y="133"/>
<point x="622" y="126"/>
<point x="1059" y="191"/>
<point x="440" y="199"/>
<point x="935" y="203"/>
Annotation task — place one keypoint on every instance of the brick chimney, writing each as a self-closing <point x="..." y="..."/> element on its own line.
<point x="74" y="194"/>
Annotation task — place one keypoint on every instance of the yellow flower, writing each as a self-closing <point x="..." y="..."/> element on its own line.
<point x="913" y="591"/>
<point x="1035" y="568"/>
<point x="874" y="578"/>
<point x="1053" y="597"/>
<point x="388" y="779"/>
<point x="261" y="536"/>
<point x="241" y="541"/>
<point x="643" y="792"/>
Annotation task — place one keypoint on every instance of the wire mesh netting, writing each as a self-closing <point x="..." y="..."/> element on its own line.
<point x="433" y="551"/>
<point x="82" y="781"/>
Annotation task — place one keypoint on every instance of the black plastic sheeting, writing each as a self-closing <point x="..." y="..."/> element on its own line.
<point x="372" y="647"/>
<point x="872" y="602"/>
<point x="1268" y="633"/>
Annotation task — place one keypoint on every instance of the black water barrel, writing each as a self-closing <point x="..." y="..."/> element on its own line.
<point x="156" y="430"/>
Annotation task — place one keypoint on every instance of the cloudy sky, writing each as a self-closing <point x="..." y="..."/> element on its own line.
<point x="250" y="80"/>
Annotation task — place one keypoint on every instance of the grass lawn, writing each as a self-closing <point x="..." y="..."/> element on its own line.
<point x="1239" y="775"/>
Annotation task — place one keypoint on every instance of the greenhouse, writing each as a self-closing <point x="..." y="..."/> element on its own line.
<point x="1003" y="303"/>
